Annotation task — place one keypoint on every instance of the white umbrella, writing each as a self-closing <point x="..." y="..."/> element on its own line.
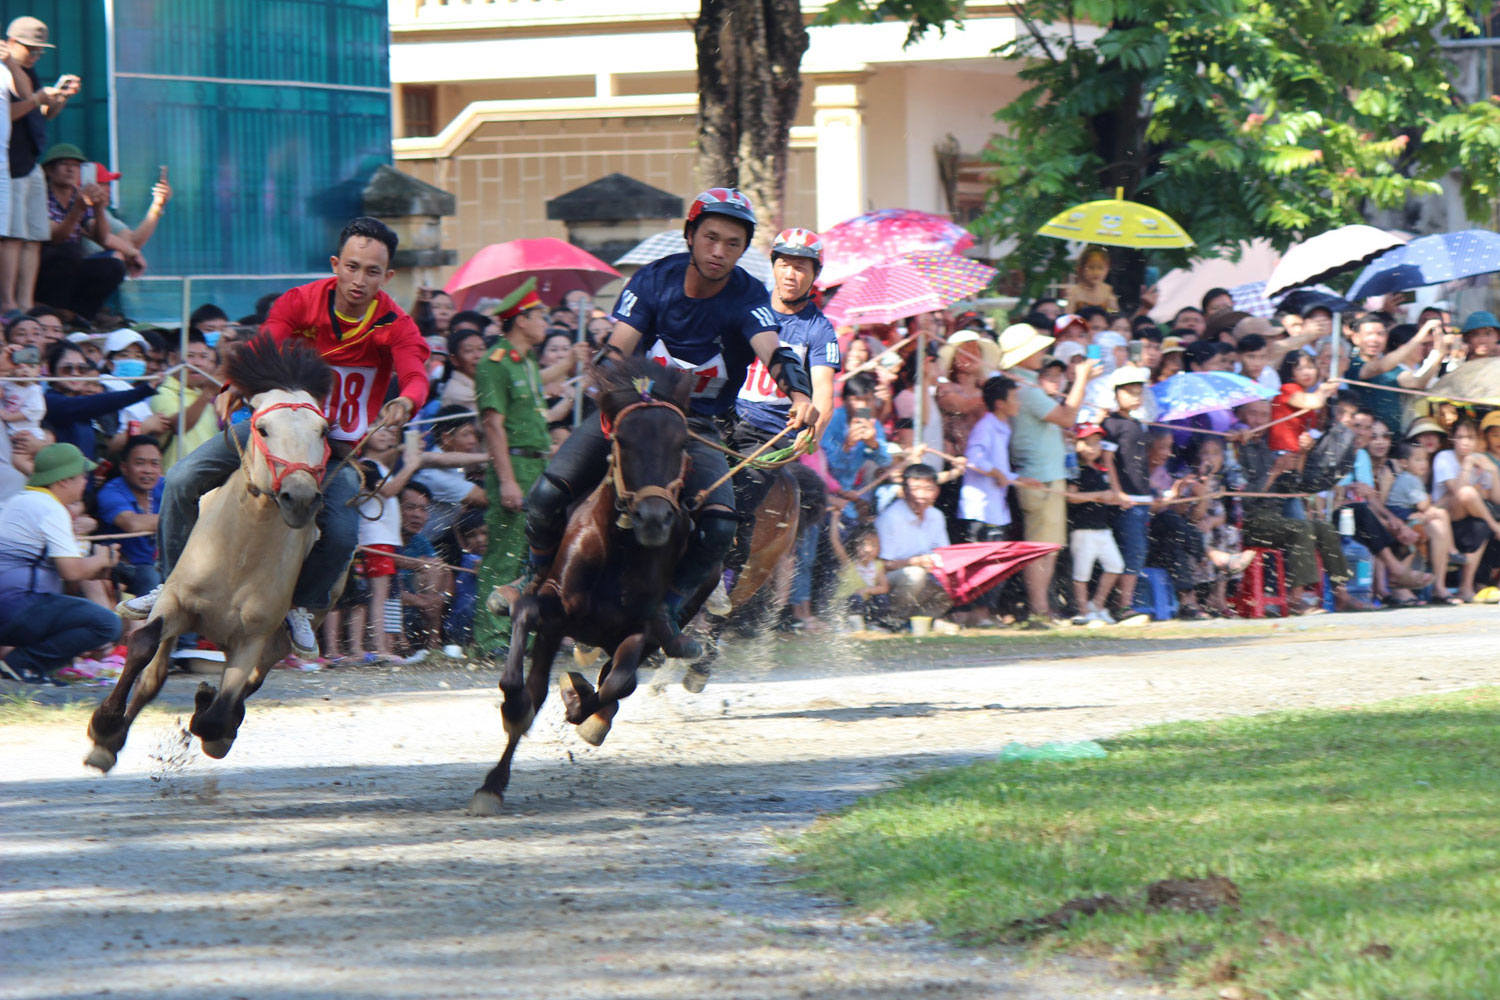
<point x="757" y="264"/>
<point x="1327" y="254"/>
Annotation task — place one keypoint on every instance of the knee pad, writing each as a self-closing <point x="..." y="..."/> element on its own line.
<point x="714" y="531"/>
<point x="547" y="512"/>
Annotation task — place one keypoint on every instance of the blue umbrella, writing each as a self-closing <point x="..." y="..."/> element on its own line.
<point x="1188" y="394"/>
<point x="1430" y="260"/>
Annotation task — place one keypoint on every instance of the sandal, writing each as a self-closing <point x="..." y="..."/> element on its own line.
<point x="1445" y="600"/>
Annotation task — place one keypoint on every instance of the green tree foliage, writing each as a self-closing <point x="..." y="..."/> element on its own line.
<point x="1239" y="118"/>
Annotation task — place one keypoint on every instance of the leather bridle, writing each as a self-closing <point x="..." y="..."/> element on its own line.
<point x="287" y="467"/>
<point x="627" y="501"/>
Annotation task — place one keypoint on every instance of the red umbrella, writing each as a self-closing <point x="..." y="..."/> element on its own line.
<point x="875" y="237"/>
<point x="558" y="266"/>
<point x="967" y="571"/>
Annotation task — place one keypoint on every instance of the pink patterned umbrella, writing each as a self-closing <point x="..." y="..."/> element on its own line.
<point x="908" y="285"/>
<point x="875" y="237"/>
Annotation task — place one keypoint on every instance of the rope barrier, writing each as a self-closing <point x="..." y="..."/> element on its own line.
<point x="418" y="563"/>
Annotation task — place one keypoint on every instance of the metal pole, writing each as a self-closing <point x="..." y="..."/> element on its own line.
<point x="182" y="342"/>
<point x="919" y="415"/>
<point x="582" y="335"/>
<point x="1333" y="358"/>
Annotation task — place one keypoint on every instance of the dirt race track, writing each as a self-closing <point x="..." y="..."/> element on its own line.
<point x="329" y="855"/>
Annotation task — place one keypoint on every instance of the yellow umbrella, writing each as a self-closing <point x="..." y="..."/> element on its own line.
<point x="1118" y="223"/>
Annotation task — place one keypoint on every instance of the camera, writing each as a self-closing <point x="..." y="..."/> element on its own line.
<point x="27" y="356"/>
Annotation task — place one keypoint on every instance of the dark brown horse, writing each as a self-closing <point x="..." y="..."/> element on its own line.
<point x="606" y="584"/>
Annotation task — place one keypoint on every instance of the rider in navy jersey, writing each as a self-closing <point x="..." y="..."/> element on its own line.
<point x="696" y="311"/>
<point x="762" y="408"/>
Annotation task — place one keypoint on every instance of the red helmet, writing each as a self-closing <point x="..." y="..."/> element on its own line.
<point x="723" y="201"/>
<point x="799" y="243"/>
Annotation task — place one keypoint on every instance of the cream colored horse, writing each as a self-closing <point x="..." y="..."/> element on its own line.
<point x="233" y="583"/>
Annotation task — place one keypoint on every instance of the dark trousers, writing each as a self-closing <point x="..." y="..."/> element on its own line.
<point x="66" y="279"/>
<point x="750" y="488"/>
<point x="1300" y="542"/>
<point x="1175" y="545"/>
<point x="1368" y="530"/>
<point x="54" y="628"/>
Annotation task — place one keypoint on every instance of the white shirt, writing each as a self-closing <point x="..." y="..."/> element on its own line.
<point x="1445" y="469"/>
<point x="981" y="498"/>
<point x="35" y="529"/>
<point x="1268" y="379"/>
<point x="902" y="536"/>
<point x="380" y="517"/>
<point x="449" y="488"/>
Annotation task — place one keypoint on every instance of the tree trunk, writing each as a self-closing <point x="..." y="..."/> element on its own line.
<point x="749" y="86"/>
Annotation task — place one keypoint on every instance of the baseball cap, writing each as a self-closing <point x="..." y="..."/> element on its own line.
<point x="1479" y="320"/>
<point x="1170" y="345"/>
<point x="1087" y="430"/>
<point x="1491" y="419"/>
<point x="30" y="32"/>
<point x="1424" y="425"/>
<point x="1129" y="375"/>
<point x="118" y="340"/>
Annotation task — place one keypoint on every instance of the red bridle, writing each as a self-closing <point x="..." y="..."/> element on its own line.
<point x="287" y="467"/>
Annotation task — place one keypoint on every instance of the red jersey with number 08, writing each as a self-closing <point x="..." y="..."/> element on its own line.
<point x="364" y="352"/>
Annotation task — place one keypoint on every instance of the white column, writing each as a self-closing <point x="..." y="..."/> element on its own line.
<point x="838" y="116"/>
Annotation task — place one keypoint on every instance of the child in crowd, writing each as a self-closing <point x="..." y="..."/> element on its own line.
<point x="1089" y="287"/>
<point x="862" y="579"/>
<point x="984" y="500"/>
<point x="1089" y="536"/>
<point x="471" y="539"/>
<point x="25" y="402"/>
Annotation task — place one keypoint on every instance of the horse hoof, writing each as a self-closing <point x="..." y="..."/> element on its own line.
<point x="695" y="678"/>
<point x="217" y="749"/>
<point x="578" y="696"/>
<point x="585" y="656"/>
<point x="593" y="730"/>
<point x="484" y="803"/>
<point x="101" y="758"/>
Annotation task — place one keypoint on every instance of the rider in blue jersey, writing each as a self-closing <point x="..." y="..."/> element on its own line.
<point x="698" y="312"/>
<point x="762" y="407"/>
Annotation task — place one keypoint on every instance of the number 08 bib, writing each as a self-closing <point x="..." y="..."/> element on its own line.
<point x="348" y="405"/>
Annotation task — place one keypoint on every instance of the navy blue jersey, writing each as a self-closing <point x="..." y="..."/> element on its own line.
<point x="761" y="403"/>
<point x="708" y="337"/>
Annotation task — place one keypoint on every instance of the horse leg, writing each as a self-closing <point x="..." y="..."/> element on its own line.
<point x="617" y="684"/>
<point x="517" y="709"/>
<point x="218" y="722"/>
<point x="522" y="699"/>
<point x="108" y="726"/>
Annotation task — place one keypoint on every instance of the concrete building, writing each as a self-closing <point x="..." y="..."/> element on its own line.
<point x="511" y="103"/>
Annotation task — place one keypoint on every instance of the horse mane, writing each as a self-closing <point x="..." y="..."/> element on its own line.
<point x="631" y="380"/>
<point x="259" y="365"/>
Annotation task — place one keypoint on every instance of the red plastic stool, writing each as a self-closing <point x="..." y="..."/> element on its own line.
<point x="1251" y="599"/>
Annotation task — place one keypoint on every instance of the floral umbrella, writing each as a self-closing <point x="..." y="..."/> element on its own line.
<point x="1188" y="394"/>
<point x="908" y="285"/>
<point x="875" y="237"/>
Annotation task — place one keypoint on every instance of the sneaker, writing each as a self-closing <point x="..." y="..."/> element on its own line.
<point x="1083" y="617"/>
<point x="718" y="602"/>
<point x="304" y="639"/>
<point x="138" y="609"/>
<point x="1101" y="615"/>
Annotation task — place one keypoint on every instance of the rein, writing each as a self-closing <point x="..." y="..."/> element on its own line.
<point x="752" y="458"/>
<point x="626" y="501"/>
<point x="273" y="460"/>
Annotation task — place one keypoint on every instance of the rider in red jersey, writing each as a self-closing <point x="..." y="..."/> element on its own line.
<point x="367" y="339"/>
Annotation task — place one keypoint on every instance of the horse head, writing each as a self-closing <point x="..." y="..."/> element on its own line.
<point x="643" y="407"/>
<point x="289" y="448"/>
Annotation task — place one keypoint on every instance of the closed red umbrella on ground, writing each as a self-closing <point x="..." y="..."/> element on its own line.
<point x="875" y="237"/>
<point x="558" y="266"/>
<point x="969" y="570"/>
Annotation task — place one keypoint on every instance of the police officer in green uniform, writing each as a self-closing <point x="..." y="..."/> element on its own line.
<point x="508" y="393"/>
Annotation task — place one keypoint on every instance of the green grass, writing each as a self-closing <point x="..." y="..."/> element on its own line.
<point x="1342" y="830"/>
